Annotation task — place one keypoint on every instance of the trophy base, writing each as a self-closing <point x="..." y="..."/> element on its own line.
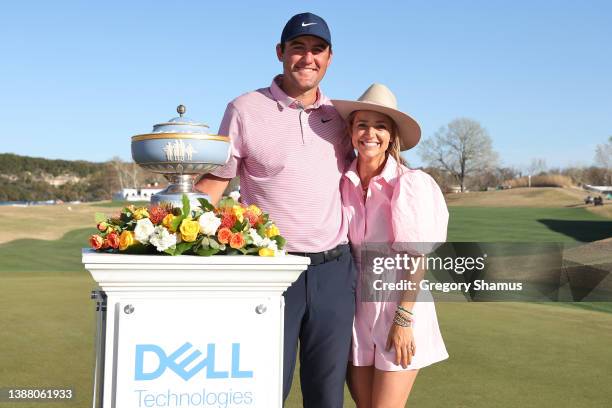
<point x="173" y="194"/>
<point x="176" y="199"/>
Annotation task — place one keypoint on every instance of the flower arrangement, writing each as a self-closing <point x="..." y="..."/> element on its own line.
<point x="231" y="228"/>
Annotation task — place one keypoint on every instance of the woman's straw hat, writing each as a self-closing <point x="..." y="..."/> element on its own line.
<point x="379" y="98"/>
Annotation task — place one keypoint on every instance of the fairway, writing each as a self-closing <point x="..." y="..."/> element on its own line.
<point x="502" y="354"/>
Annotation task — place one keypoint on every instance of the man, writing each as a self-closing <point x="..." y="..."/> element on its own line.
<point x="290" y="148"/>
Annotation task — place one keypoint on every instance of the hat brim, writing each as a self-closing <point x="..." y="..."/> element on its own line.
<point x="409" y="130"/>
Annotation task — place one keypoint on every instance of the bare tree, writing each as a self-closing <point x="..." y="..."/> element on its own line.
<point x="462" y="148"/>
<point x="603" y="158"/>
<point x="536" y="167"/>
<point x="117" y="165"/>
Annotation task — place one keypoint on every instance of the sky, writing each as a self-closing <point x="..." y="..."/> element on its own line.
<point x="78" y="79"/>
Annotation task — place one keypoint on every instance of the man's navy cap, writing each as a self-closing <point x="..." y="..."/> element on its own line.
<point x="306" y="24"/>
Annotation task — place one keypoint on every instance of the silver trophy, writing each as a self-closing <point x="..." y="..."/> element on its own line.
<point x="181" y="150"/>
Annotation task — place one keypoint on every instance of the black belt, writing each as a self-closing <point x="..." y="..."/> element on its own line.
<point x="317" y="258"/>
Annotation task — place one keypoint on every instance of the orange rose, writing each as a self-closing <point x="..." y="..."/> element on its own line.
<point x="252" y="217"/>
<point x="112" y="240"/>
<point x="237" y="241"/>
<point x="224" y="235"/>
<point x="96" y="241"/>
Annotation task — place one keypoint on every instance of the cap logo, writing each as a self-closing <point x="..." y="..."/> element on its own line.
<point x="307" y="24"/>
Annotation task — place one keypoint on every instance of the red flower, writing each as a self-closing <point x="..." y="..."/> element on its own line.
<point x="228" y="219"/>
<point x="157" y="214"/>
<point x="96" y="241"/>
<point x="224" y="235"/>
<point x="237" y="241"/>
<point x="112" y="240"/>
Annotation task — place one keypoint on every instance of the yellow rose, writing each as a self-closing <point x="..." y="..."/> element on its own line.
<point x="238" y="212"/>
<point x="189" y="230"/>
<point x="167" y="222"/>
<point x="272" y="231"/>
<point x="141" y="213"/>
<point x="254" y="209"/>
<point x="126" y="239"/>
<point x="266" y="252"/>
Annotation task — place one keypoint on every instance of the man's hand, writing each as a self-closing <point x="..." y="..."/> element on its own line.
<point x="213" y="186"/>
<point x="402" y="339"/>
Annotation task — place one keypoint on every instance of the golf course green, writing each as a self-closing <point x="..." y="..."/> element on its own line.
<point x="501" y="354"/>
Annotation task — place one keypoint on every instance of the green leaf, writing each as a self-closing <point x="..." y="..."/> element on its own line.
<point x="280" y="241"/>
<point x="205" y="204"/>
<point x="170" y="251"/>
<point x="182" y="247"/>
<point x="177" y="221"/>
<point x="100" y="217"/>
<point x="227" y="202"/>
<point x="213" y="243"/>
<point x="186" y="206"/>
<point x="206" y="251"/>
<point x="240" y="226"/>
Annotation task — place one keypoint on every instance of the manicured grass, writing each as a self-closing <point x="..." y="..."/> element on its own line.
<point x="47" y="333"/>
<point x="502" y="354"/>
<point x="490" y="224"/>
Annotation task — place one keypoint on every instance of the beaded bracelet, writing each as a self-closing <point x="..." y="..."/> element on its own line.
<point x="404" y="315"/>
<point x="402" y="322"/>
<point x="403" y="309"/>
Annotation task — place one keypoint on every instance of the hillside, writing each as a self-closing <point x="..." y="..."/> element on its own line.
<point x="24" y="178"/>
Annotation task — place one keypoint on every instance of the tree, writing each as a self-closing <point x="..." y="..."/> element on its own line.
<point x="603" y="158"/>
<point x="462" y="148"/>
<point x="536" y="167"/>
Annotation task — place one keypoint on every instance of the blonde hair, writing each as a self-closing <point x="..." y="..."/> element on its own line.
<point x="394" y="144"/>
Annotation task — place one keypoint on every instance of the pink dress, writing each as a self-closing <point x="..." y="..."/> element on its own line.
<point x="398" y="208"/>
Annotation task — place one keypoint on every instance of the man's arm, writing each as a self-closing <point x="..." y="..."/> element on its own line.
<point x="213" y="186"/>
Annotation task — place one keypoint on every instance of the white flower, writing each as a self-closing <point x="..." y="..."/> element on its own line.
<point x="257" y="239"/>
<point x="270" y="244"/>
<point x="209" y="223"/>
<point x="162" y="238"/>
<point x="234" y="195"/>
<point x="144" y="229"/>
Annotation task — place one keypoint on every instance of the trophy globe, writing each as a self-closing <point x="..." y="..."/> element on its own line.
<point x="180" y="149"/>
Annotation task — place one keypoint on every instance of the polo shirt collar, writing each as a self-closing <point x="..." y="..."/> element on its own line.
<point x="388" y="173"/>
<point x="285" y="101"/>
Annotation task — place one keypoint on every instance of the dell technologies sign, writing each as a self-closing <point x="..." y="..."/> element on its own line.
<point x="158" y="361"/>
<point x="171" y="362"/>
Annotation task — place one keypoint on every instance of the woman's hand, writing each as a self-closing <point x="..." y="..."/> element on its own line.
<point x="402" y="339"/>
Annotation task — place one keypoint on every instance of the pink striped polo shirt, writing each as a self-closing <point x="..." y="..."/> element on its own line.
<point x="290" y="160"/>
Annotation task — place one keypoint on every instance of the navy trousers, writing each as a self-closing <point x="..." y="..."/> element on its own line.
<point x="319" y="311"/>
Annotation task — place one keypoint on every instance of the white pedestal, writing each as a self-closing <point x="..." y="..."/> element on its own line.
<point x="190" y="331"/>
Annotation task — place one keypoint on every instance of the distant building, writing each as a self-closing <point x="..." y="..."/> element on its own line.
<point x="598" y="189"/>
<point x="136" y="194"/>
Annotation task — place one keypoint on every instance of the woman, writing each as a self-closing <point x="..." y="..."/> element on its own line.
<point x="387" y="202"/>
